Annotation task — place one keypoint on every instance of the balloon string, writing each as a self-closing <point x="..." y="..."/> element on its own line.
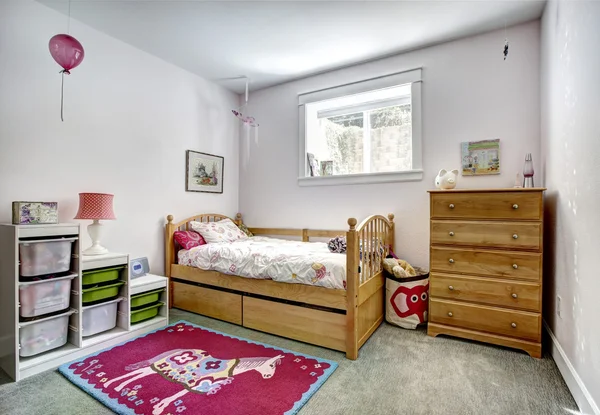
<point x="62" y="94"/>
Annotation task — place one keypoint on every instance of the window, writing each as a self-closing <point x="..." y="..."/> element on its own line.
<point x="362" y="133"/>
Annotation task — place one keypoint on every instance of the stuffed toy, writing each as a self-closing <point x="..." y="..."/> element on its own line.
<point x="399" y="268"/>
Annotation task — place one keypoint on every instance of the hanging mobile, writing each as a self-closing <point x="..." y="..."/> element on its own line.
<point x="247" y="120"/>
<point x="505" y="43"/>
<point x="68" y="53"/>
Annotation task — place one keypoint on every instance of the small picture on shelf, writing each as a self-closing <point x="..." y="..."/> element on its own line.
<point x="313" y="165"/>
<point x="480" y="157"/>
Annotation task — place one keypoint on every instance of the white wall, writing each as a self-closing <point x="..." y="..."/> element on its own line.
<point x="129" y="117"/>
<point x="469" y="94"/>
<point x="571" y="150"/>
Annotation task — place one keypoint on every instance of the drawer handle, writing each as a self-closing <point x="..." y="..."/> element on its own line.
<point x="451" y="261"/>
<point x="513" y="325"/>
<point x="515" y="206"/>
<point x="514" y="295"/>
<point x="515" y="266"/>
<point x="450" y="314"/>
<point x="515" y="236"/>
<point x="451" y="288"/>
<point x="451" y="233"/>
<point x="451" y="205"/>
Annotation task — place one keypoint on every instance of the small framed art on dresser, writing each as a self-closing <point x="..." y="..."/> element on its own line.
<point x="203" y="172"/>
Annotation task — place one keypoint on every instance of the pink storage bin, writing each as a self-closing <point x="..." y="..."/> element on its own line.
<point x="44" y="296"/>
<point x="45" y="256"/>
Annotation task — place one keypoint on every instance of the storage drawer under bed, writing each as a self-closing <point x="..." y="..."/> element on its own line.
<point x="305" y="324"/>
<point x="208" y="302"/>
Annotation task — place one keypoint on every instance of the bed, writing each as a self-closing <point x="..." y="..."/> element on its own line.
<point x="318" y="311"/>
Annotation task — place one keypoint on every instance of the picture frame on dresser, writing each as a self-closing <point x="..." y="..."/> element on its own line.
<point x="486" y="249"/>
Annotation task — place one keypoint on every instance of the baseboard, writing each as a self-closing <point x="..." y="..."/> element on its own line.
<point x="582" y="396"/>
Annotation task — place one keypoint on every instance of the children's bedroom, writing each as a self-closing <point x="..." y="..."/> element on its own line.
<point x="299" y="207"/>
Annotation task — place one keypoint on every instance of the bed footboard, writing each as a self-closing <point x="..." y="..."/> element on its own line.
<point x="367" y="245"/>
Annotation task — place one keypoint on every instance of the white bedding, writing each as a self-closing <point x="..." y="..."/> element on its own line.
<point x="259" y="257"/>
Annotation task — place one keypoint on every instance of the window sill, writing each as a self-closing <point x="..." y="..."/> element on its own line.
<point x="369" y="178"/>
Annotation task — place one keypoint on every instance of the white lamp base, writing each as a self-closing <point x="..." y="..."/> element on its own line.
<point x="95" y="230"/>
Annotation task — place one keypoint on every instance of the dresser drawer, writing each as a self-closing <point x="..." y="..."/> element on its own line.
<point x="515" y="235"/>
<point x="503" y="293"/>
<point x="491" y="205"/>
<point x="519" y="324"/>
<point x="507" y="264"/>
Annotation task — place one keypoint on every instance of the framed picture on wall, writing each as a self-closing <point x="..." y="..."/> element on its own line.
<point x="203" y="172"/>
<point x="480" y="157"/>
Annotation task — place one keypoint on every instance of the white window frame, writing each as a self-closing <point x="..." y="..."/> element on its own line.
<point x="412" y="77"/>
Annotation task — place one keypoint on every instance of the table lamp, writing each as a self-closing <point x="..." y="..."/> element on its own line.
<point x="95" y="206"/>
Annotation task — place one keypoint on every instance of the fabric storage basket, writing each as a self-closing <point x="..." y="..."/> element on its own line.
<point x="44" y="296"/>
<point x="145" y="298"/>
<point x="137" y="316"/>
<point x="100" y="317"/>
<point x="98" y="276"/>
<point x="45" y="334"/>
<point x="101" y="292"/>
<point x="407" y="300"/>
<point x="45" y="256"/>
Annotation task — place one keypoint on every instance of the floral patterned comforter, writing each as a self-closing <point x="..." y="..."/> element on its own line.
<point x="260" y="257"/>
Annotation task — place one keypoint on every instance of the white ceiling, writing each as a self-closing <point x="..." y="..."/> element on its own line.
<point x="276" y="41"/>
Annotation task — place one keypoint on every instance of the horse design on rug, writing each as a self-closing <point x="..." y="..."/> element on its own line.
<point x="195" y="370"/>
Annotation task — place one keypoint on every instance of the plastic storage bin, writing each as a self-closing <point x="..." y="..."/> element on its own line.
<point x="102" y="292"/>
<point x="44" y="334"/>
<point x="45" y="256"/>
<point x="44" y="296"/>
<point x="98" y="276"/>
<point x="145" y="298"/>
<point x="145" y="313"/>
<point x="100" y="317"/>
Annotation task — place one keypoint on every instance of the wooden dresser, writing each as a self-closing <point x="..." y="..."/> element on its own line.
<point x="486" y="266"/>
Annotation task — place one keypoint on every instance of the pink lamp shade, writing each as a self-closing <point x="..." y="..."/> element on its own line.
<point x="95" y="206"/>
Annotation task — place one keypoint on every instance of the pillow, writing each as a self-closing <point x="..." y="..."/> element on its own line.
<point x="245" y="229"/>
<point x="337" y="244"/>
<point x="222" y="231"/>
<point x="188" y="239"/>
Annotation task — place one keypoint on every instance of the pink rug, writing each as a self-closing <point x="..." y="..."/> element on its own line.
<point x="184" y="369"/>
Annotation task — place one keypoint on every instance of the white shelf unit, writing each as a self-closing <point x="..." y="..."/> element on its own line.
<point x="77" y="346"/>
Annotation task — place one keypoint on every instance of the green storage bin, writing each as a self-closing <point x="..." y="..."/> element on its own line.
<point x="148" y="297"/>
<point x="97" y="276"/>
<point x="145" y="313"/>
<point x="101" y="292"/>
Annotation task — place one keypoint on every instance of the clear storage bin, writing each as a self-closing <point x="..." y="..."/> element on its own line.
<point x="44" y="334"/>
<point x="45" y="256"/>
<point x="100" y="317"/>
<point x="44" y="296"/>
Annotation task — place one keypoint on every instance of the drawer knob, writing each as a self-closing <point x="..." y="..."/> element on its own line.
<point x="451" y="288"/>
<point x="513" y="325"/>
<point x="515" y="266"/>
<point x="515" y="236"/>
<point x="515" y="206"/>
<point x="451" y="205"/>
<point x="450" y="314"/>
<point x="451" y="261"/>
<point x="451" y="233"/>
<point x="514" y="295"/>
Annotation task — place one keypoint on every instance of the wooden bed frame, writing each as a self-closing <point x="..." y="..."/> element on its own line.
<point x="334" y="318"/>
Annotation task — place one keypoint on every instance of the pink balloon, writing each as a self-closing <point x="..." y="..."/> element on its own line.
<point x="66" y="51"/>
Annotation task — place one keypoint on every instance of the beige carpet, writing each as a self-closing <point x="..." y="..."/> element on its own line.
<point x="398" y="372"/>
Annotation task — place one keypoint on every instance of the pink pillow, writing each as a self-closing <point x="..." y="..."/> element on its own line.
<point x="188" y="239"/>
